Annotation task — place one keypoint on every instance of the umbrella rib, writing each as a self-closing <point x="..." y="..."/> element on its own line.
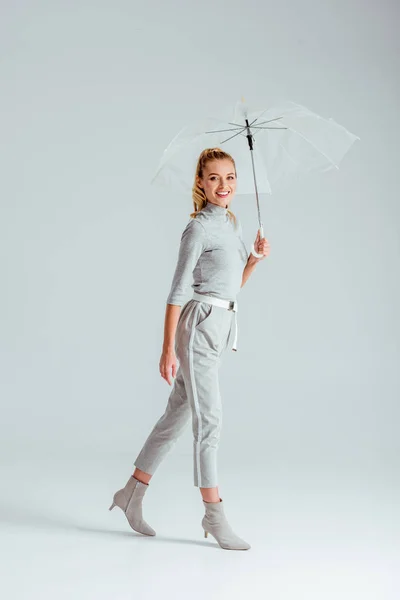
<point x="221" y="130"/>
<point x="258" y="127"/>
<point x="230" y="138"/>
<point x="269" y="121"/>
<point x="259" y="116"/>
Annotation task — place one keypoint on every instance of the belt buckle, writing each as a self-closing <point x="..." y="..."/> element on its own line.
<point x="231" y="305"/>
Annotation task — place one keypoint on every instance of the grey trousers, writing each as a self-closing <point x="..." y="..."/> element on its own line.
<point x="203" y="333"/>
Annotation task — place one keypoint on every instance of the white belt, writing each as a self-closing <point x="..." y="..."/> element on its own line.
<point x="228" y="304"/>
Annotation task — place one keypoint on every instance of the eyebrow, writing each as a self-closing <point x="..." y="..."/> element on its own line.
<point x="217" y="174"/>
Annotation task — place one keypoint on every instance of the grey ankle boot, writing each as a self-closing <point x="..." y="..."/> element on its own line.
<point x="214" y="522"/>
<point x="129" y="499"/>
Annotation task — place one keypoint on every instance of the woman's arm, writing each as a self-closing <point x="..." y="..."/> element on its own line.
<point x="261" y="246"/>
<point x="193" y="243"/>
<point x="172" y="313"/>
<point x="168" y="362"/>
<point x="249" y="268"/>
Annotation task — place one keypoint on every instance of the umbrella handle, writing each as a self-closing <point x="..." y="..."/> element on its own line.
<point x="254" y="253"/>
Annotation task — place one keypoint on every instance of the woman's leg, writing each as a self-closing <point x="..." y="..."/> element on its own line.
<point x="196" y="393"/>
<point x="168" y="429"/>
<point x="200" y="362"/>
<point x="165" y="433"/>
<point x="206" y="422"/>
<point x="142" y="476"/>
<point x="210" y="494"/>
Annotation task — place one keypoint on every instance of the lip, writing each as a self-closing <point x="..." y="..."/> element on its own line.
<point x="222" y="193"/>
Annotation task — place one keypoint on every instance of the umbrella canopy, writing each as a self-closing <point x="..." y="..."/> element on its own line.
<point x="288" y="140"/>
<point x="270" y="147"/>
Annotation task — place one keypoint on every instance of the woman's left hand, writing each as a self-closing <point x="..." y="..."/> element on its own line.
<point x="261" y="246"/>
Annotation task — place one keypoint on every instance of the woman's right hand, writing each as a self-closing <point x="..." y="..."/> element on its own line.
<point x="168" y="364"/>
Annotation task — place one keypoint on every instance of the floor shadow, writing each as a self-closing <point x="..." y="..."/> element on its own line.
<point x="18" y="517"/>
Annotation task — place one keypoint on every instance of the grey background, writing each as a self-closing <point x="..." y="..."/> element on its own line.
<point x="91" y="93"/>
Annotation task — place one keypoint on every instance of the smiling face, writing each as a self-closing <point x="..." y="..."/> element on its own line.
<point x="219" y="181"/>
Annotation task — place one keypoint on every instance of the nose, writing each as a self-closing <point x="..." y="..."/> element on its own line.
<point x="222" y="185"/>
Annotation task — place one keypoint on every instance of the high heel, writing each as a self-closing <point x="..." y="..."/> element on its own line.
<point x="129" y="499"/>
<point x="215" y="522"/>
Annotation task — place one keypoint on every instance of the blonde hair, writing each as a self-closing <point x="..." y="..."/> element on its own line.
<point x="198" y="194"/>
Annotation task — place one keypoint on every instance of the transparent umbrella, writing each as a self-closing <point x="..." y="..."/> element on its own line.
<point x="271" y="147"/>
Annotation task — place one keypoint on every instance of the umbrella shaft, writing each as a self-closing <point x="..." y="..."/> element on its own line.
<point x="249" y="135"/>
<point x="256" y="189"/>
<point x="250" y="142"/>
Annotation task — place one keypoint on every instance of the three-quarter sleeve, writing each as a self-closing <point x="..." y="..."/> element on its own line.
<point x="193" y="243"/>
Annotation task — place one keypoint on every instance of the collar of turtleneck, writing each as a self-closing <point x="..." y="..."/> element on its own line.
<point x="215" y="209"/>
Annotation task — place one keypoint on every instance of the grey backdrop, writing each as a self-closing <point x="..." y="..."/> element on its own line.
<point x="91" y="93"/>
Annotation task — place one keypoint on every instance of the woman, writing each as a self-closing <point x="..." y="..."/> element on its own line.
<point x="212" y="254"/>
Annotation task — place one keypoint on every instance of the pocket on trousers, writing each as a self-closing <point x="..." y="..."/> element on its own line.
<point x="204" y="313"/>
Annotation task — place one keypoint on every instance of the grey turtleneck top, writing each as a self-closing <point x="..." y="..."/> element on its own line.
<point x="212" y="256"/>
